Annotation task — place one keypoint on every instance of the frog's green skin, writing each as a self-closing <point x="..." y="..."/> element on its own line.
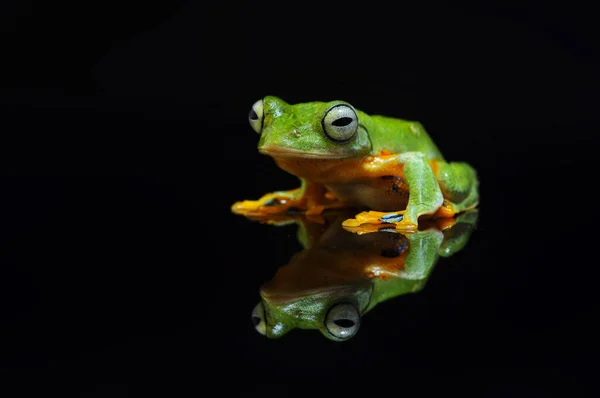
<point x="347" y="158"/>
<point x="352" y="272"/>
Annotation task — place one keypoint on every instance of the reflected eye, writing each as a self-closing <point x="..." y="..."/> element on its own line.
<point x="340" y="122"/>
<point x="255" y="117"/>
<point x="342" y="320"/>
<point x="258" y="319"/>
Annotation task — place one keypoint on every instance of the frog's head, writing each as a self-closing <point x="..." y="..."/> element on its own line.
<point x="320" y="130"/>
<point x="334" y="311"/>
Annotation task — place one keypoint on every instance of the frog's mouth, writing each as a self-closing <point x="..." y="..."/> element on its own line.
<point x="279" y="152"/>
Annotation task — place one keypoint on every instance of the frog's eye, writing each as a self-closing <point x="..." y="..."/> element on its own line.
<point x="255" y="117"/>
<point x="340" y="122"/>
<point x="342" y="320"/>
<point x="258" y="318"/>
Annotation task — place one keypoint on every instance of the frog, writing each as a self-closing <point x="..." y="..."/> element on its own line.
<point x="387" y="168"/>
<point x="338" y="277"/>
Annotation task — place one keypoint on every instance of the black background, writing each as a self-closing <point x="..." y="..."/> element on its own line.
<point x="125" y="140"/>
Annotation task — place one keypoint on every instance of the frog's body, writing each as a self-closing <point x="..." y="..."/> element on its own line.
<point x="346" y="158"/>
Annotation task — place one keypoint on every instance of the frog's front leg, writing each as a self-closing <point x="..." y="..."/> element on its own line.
<point x="311" y="198"/>
<point x="424" y="193"/>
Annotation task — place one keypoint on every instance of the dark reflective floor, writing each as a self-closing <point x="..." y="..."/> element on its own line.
<point x="124" y="273"/>
<point x="118" y="284"/>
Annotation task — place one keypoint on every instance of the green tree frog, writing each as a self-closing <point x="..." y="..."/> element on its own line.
<point x="389" y="168"/>
<point x="339" y="276"/>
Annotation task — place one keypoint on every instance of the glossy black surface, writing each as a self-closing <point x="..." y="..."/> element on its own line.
<point x="125" y="140"/>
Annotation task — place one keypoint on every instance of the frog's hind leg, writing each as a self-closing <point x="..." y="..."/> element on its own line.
<point x="460" y="187"/>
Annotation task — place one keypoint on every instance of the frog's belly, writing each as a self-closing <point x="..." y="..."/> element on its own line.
<point x="381" y="194"/>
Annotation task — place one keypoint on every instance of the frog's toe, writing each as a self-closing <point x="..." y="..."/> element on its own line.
<point x="245" y="206"/>
<point x="359" y="219"/>
<point x="366" y="228"/>
<point x="406" y="226"/>
<point x="447" y="209"/>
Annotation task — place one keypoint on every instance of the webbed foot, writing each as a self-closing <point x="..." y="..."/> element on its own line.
<point x="397" y="219"/>
<point x="282" y="202"/>
<point x="310" y="200"/>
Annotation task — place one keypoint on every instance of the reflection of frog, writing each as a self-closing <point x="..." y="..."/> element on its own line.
<point x="339" y="276"/>
<point x="346" y="158"/>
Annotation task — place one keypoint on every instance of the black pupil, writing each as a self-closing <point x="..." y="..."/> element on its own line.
<point x="344" y="323"/>
<point x="253" y="115"/>
<point x="255" y="320"/>
<point x="343" y="121"/>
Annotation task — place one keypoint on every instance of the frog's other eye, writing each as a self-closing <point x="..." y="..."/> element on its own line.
<point x="340" y="122"/>
<point x="259" y="318"/>
<point x="342" y="320"/>
<point x="255" y="117"/>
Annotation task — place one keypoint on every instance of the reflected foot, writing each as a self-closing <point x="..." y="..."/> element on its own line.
<point x="286" y="219"/>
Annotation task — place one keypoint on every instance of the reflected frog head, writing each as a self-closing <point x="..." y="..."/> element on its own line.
<point x="339" y="276"/>
<point x="334" y="311"/>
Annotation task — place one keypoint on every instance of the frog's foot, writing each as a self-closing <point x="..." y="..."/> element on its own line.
<point x="362" y="229"/>
<point x="450" y="209"/>
<point x="287" y="202"/>
<point x="395" y="219"/>
<point x="275" y="219"/>
<point x="441" y="224"/>
<point x="447" y="209"/>
<point x="271" y="204"/>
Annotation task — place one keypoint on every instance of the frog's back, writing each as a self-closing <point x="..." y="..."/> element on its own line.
<point x="399" y="136"/>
